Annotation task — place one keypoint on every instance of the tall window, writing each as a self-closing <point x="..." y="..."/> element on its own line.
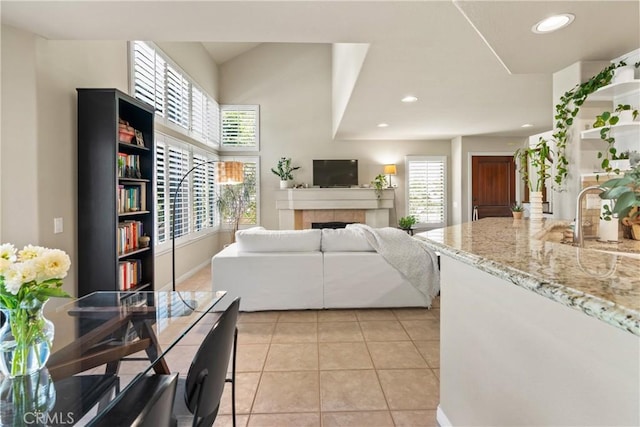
<point x="179" y="102"/>
<point x="240" y="127"/>
<point x="195" y="204"/>
<point x="427" y="190"/>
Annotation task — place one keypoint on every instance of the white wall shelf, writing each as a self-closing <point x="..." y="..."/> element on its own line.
<point x="609" y="92"/>
<point x="616" y="130"/>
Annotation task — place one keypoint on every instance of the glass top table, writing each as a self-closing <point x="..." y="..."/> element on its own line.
<point x="94" y="336"/>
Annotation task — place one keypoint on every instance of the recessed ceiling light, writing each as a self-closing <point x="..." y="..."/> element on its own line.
<point x="383" y="125"/>
<point x="409" y="98"/>
<point x="527" y="125"/>
<point x="553" y="23"/>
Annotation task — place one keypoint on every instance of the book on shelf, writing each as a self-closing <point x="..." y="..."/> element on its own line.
<point x="130" y="274"/>
<point x="129" y="165"/>
<point x="131" y="198"/>
<point x="129" y="233"/>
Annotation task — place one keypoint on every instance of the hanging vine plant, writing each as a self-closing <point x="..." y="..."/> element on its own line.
<point x="567" y="110"/>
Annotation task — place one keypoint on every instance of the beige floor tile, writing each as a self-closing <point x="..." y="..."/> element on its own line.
<point x="383" y="330"/>
<point x="410" y="388"/>
<point x="227" y="421"/>
<point x="351" y="391"/>
<point x="284" y="392"/>
<point x="255" y="333"/>
<point x="375" y="314"/>
<point x="339" y="332"/>
<point x="258" y="316"/>
<point x="337" y="316"/>
<point x="344" y="356"/>
<point x="430" y="350"/>
<point x="414" y="418"/>
<point x="368" y="419"/>
<point x="298" y="316"/>
<point x="246" y="386"/>
<point x="292" y="357"/>
<point x="437" y="373"/>
<point x="295" y="333"/>
<point x="413" y="313"/>
<point x="397" y="355"/>
<point x="250" y="357"/>
<point x="180" y="357"/>
<point x="423" y="330"/>
<point x="285" y="420"/>
<point x="436" y="313"/>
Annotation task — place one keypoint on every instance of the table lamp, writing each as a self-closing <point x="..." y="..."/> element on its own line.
<point x="389" y="170"/>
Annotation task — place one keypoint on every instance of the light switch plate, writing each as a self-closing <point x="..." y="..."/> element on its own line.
<point x="57" y="225"/>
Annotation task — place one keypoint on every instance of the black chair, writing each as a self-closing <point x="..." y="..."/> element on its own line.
<point x="148" y="403"/>
<point x="207" y="374"/>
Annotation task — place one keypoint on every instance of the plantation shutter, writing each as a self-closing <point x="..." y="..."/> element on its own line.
<point x="198" y="110"/>
<point x="178" y="166"/>
<point x="148" y="76"/>
<point x="199" y="188"/>
<point x="212" y="122"/>
<point x="240" y="127"/>
<point x="177" y="98"/>
<point x="161" y="191"/>
<point x="426" y="199"/>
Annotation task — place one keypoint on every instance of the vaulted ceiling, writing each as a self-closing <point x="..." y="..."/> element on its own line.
<point x="475" y="66"/>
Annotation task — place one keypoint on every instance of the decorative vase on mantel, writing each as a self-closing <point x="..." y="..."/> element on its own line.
<point x="25" y="339"/>
<point x="535" y="205"/>
<point x="285" y="183"/>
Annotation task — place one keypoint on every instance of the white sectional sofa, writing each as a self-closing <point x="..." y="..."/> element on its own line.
<point x="306" y="269"/>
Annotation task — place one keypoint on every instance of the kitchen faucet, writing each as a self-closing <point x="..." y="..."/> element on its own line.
<point x="578" y="236"/>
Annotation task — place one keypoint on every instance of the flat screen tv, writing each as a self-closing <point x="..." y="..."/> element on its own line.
<point x="335" y="173"/>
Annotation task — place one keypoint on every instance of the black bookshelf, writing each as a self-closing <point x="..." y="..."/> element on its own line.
<point x="100" y="188"/>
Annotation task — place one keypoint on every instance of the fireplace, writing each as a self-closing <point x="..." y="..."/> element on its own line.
<point x="298" y="208"/>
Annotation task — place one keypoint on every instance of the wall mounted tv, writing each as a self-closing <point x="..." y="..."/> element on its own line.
<point x="335" y="173"/>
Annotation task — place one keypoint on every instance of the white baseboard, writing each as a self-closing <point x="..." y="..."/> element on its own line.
<point x="185" y="276"/>
<point x="442" y="419"/>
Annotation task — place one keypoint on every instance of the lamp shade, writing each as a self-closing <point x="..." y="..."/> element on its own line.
<point x="230" y="172"/>
<point x="389" y="169"/>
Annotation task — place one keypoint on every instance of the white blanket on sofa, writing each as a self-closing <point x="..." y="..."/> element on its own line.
<point x="411" y="257"/>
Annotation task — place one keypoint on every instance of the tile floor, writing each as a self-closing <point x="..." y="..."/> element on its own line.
<point x="376" y="367"/>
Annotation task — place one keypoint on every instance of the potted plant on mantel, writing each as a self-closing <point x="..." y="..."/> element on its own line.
<point x="535" y="157"/>
<point x="283" y="170"/>
<point x="379" y="183"/>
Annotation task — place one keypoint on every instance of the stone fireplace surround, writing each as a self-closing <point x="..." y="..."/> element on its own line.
<point x="299" y="207"/>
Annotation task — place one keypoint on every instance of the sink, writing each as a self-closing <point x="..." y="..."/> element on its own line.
<point x="561" y="232"/>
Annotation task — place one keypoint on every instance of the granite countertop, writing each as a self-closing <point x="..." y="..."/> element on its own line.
<point x="601" y="284"/>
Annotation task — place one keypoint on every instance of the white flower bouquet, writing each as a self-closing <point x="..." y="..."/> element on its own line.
<point x="28" y="278"/>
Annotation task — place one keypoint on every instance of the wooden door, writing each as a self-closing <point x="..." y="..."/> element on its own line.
<point x="493" y="182"/>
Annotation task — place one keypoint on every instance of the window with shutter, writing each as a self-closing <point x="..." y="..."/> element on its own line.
<point x="240" y="127"/>
<point x="161" y="191"/>
<point x="178" y="165"/>
<point x="426" y="190"/>
<point x="179" y="102"/>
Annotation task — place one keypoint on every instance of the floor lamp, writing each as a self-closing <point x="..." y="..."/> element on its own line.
<point x="228" y="173"/>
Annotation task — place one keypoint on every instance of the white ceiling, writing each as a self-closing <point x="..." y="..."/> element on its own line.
<point x="475" y="65"/>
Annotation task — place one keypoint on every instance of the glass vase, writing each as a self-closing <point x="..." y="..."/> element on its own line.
<point x="25" y="339"/>
<point x="27" y="400"/>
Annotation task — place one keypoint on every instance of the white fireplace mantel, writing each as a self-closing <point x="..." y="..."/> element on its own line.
<point x="293" y="200"/>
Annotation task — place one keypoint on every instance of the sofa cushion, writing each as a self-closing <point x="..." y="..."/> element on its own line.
<point x="260" y="240"/>
<point x="344" y="240"/>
